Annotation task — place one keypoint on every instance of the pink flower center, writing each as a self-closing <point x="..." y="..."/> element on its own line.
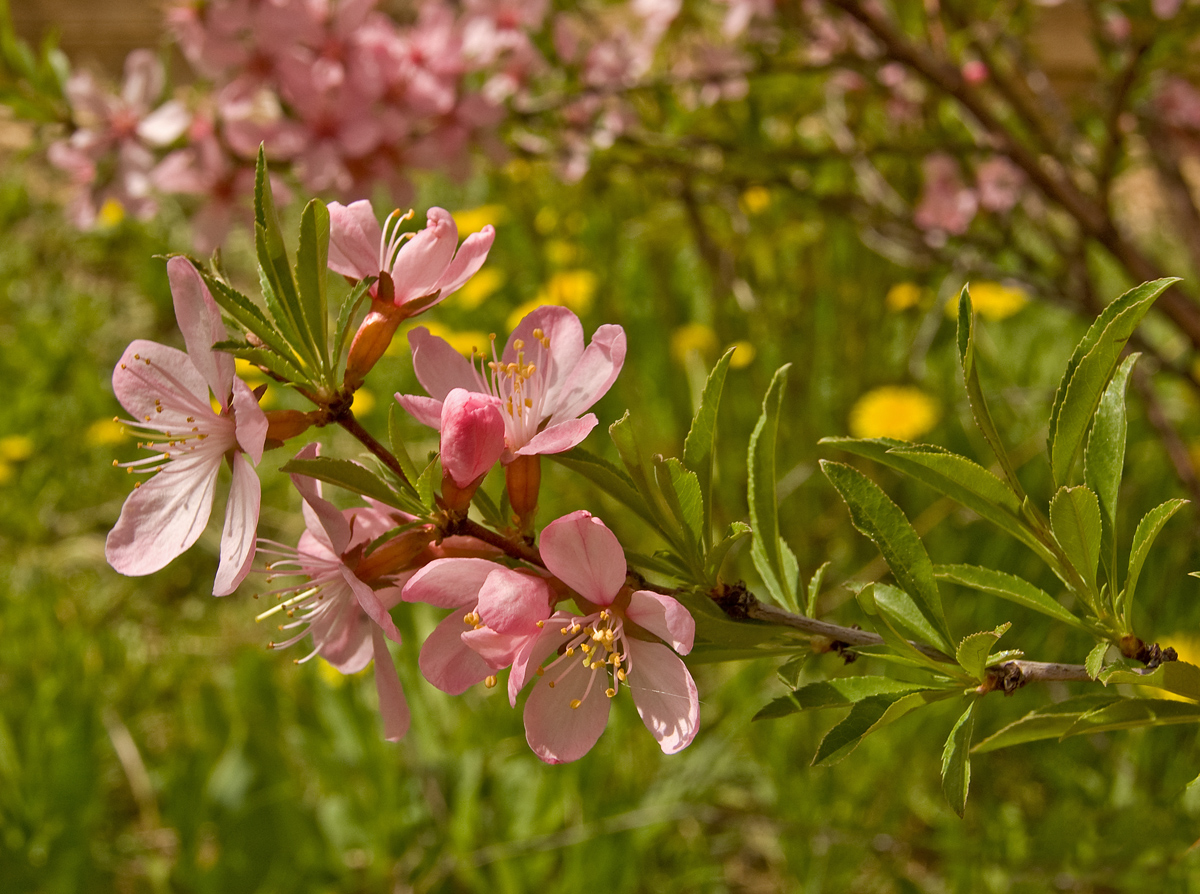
<point x="323" y="598"/>
<point x="600" y="637"/>
<point x="520" y="386"/>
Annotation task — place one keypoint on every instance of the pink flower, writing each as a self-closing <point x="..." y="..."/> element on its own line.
<point x="946" y="203"/>
<point x="167" y="392"/>
<point x="567" y="709"/>
<point x="343" y="599"/>
<point x="1000" y="183"/>
<point x="423" y="270"/>
<point x="542" y="382"/>
<point x="472" y="442"/>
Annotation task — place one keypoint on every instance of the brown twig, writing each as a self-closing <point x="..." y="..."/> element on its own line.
<point x="347" y="421"/>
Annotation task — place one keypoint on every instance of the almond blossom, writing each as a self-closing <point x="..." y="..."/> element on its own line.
<point x="167" y="393"/>
<point x="344" y="596"/>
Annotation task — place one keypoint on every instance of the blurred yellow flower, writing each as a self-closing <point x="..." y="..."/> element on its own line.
<point x="992" y="300"/>
<point x="252" y="376"/>
<point x="894" y="411"/>
<point x="545" y="220"/>
<point x="364" y="402"/>
<point x="559" y="252"/>
<point x="111" y="213"/>
<point x="756" y="199"/>
<point x="15" y="448"/>
<point x="567" y="288"/>
<point x="902" y="296"/>
<point x="463" y="342"/>
<point x="693" y="338"/>
<point x="518" y="169"/>
<point x="104" y="433"/>
<point x="472" y="220"/>
<point x="479" y="287"/>
<point x="6" y="473"/>
<point x="743" y="355"/>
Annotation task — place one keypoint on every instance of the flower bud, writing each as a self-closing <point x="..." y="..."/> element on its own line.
<point x="523" y="477"/>
<point x="372" y="339"/>
<point x="283" y="425"/>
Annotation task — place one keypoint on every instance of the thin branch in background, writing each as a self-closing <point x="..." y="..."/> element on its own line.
<point x="1177" y="451"/>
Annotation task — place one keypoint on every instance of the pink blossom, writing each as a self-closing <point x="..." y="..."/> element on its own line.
<point x="543" y="382"/>
<point x="946" y="203"/>
<point x="343" y="598"/>
<point x="472" y="430"/>
<point x="423" y="270"/>
<point x="167" y="392"/>
<point x="566" y="712"/>
<point x="1000" y="183"/>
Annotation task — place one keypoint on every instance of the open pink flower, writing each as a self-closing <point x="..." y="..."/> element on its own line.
<point x="167" y="392"/>
<point x="567" y="709"/>
<point x="423" y="270"/>
<point x="343" y="598"/>
<point x="542" y="382"/>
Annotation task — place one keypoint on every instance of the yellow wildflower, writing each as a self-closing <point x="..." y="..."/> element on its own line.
<point x="104" y="433"/>
<point x="15" y="448"/>
<point x="743" y="354"/>
<point x="992" y="300"/>
<point x="364" y="402"/>
<point x="545" y="220"/>
<point x="693" y="338"/>
<point x="893" y="411"/>
<point x="472" y="220"/>
<point x="478" y="287"/>
<point x="902" y="296"/>
<point x="567" y="288"/>
<point x="111" y="213"/>
<point x="6" y="473"/>
<point x="755" y="200"/>
<point x="559" y="252"/>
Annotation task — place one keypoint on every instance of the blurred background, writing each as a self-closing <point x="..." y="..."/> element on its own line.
<point x="811" y="183"/>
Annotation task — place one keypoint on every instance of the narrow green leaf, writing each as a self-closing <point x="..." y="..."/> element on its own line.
<point x="1088" y="372"/>
<point x="426" y="484"/>
<point x="1178" y="677"/>
<point x="736" y="532"/>
<point x="1095" y="660"/>
<point x="246" y="313"/>
<point x="1104" y="460"/>
<point x="968" y="475"/>
<point x="789" y="672"/>
<point x="843" y="691"/>
<point x="345" y="474"/>
<point x="768" y="548"/>
<point x="972" y="653"/>
<point x="962" y="487"/>
<point x="874" y="514"/>
<point x="956" y="761"/>
<point x="345" y="330"/>
<point x="698" y="447"/>
<point x="979" y="408"/>
<point x="651" y="500"/>
<point x="611" y="480"/>
<point x="681" y="487"/>
<point x="814" y="590"/>
<point x="1047" y="722"/>
<point x="271" y="361"/>
<point x="396" y="440"/>
<point x="1009" y="587"/>
<point x="312" y="264"/>
<point x="1143" y="538"/>
<point x="489" y="510"/>
<point x="1075" y="523"/>
<point x="1129" y="713"/>
<point x="867" y="716"/>
<point x="905" y="617"/>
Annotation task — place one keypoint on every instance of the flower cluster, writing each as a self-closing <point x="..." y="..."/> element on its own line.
<point x="352" y="567"/>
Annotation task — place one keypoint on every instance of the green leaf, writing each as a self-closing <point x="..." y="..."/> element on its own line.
<point x="396" y="439"/>
<point x="867" y="716"/>
<point x="979" y="409"/>
<point x="716" y="556"/>
<point x="901" y="612"/>
<point x="271" y="361"/>
<point x="960" y="482"/>
<point x="681" y="488"/>
<point x="1009" y="587"/>
<point x="789" y="672"/>
<point x="312" y="263"/>
<point x="345" y="474"/>
<point x="1129" y="713"/>
<point x="972" y="653"/>
<point x="956" y="761"/>
<point x="1075" y="523"/>
<point x="843" y="691"/>
<point x="1178" y="677"/>
<point x="426" y="484"/>
<point x="877" y="517"/>
<point x="814" y="590"/>
<point x="1143" y="538"/>
<point x="246" y="313"/>
<point x="1047" y="722"/>
<point x="701" y="438"/>
<point x="344" y="331"/>
<point x="1095" y="660"/>
<point x="611" y="480"/>
<point x="651" y="501"/>
<point x="1088" y="372"/>
<point x="772" y="558"/>
<point x="1104" y="460"/>
<point x="487" y="507"/>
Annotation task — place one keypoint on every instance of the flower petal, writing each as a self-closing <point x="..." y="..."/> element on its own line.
<point x="449" y="663"/>
<point x="663" y="616"/>
<point x="555" y="731"/>
<point x="199" y="320"/>
<point x="665" y="694"/>
<point x="163" y="517"/>
<point x="584" y="554"/>
<point x="471" y="255"/>
<point x="166" y="124"/>
<point x="371" y="604"/>
<point x="533" y="650"/>
<point x="449" y="583"/>
<point x="423" y="260"/>
<point x="150" y="375"/>
<point x="593" y="375"/>
<point x="512" y="603"/>
<point x="392" y="704"/>
<point x="472" y="435"/>
<point x="559" y="438"/>
<point x="439" y="368"/>
<point x="425" y="410"/>
<point x="565" y="334"/>
<point x="241" y="527"/>
<point x="324" y="521"/>
<point x="354" y="237"/>
<point x="250" y="421"/>
<point x="342" y="633"/>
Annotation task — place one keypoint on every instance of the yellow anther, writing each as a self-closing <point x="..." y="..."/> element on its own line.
<point x="116" y="463"/>
<point x="540" y="671"/>
<point x="564" y="631"/>
<point x="490" y="682"/>
<point x="136" y="485"/>
<point x="137" y="356"/>
<point x="147" y="418"/>
<point x="585" y="648"/>
<point x="540" y="624"/>
<point x="610" y="692"/>
<point x="528" y="402"/>
<point x="122" y="367"/>
<point x="539" y="334"/>
<point x="191" y="419"/>
<point x="621" y="674"/>
<point x="604" y="614"/>
<point x="570" y="650"/>
<point x="519" y="345"/>
<point x="550" y="683"/>
<point x="575" y="703"/>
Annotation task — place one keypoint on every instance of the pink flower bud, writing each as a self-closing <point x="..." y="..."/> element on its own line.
<point x="472" y="435"/>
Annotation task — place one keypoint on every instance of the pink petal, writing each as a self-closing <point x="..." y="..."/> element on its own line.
<point x="344" y="636"/>
<point x="449" y="663"/>
<point x="472" y="435"/>
<point x="471" y="255"/>
<point x="584" y="554"/>
<point x="144" y="80"/>
<point x="425" y="410"/>
<point x="164" y="516"/>
<point x="199" y="320"/>
<point x="354" y="237"/>
<point x="422" y="260"/>
<point x="169" y="377"/>
<point x="664" y="693"/>
<point x="663" y="616"/>
<point x="533" y="650"/>
<point x="439" y="368"/>
<point x="251" y="421"/>
<point x="558" y="438"/>
<point x="565" y="333"/>
<point x="392" y="704"/>
<point x="241" y="527"/>
<point x="496" y="649"/>
<point x="593" y="375"/>
<point x="165" y="125"/>
<point x="555" y="731"/>
<point x="449" y="583"/>
<point x="512" y="603"/>
<point x="370" y="603"/>
<point x="324" y="521"/>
